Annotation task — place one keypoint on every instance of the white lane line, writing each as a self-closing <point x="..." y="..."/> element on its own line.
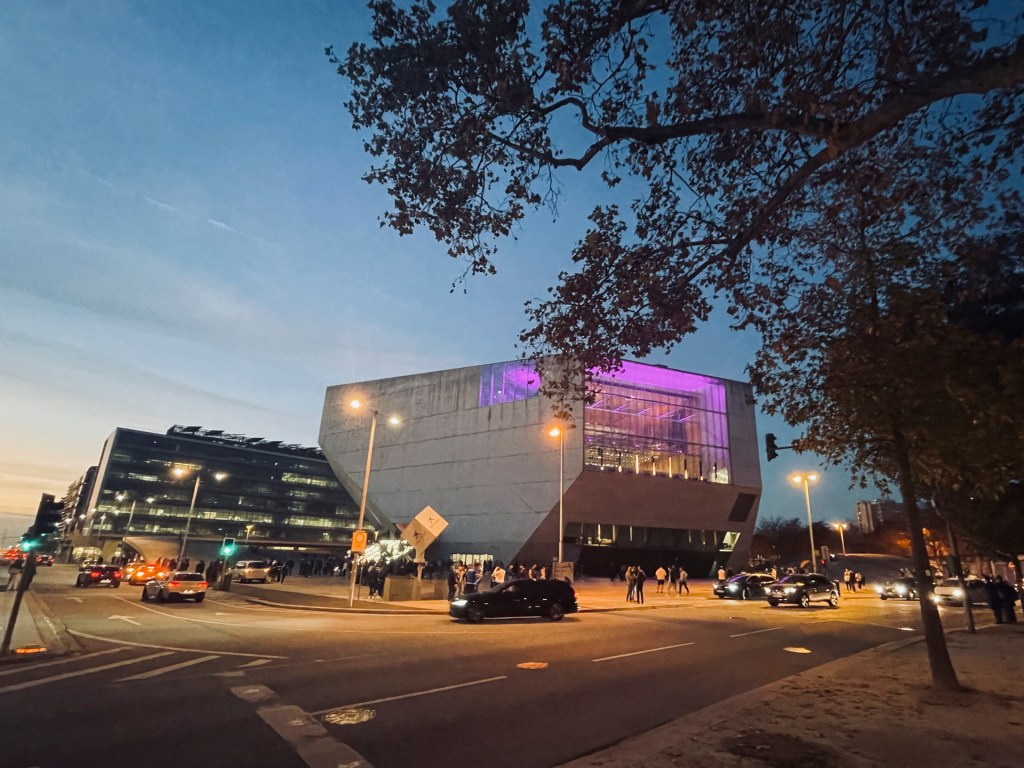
<point x="79" y="673"/>
<point x="412" y="695"/>
<point x="165" y="670"/>
<point x="257" y="663"/>
<point x="25" y="667"/>
<point x="76" y="633"/>
<point x="638" y="653"/>
<point x="756" y="632"/>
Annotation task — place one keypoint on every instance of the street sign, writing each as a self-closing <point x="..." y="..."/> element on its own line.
<point x="359" y="541"/>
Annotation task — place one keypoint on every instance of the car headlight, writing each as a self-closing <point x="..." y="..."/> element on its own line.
<point x="789" y="590"/>
<point x="936" y="599"/>
<point x="901" y="590"/>
<point x="958" y="592"/>
<point x="733" y="588"/>
<point x="460" y="603"/>
<point x="879" y="588"/>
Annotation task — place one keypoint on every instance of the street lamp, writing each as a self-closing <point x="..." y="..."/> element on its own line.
<point x="559" y="432"/>
<point x="393" y="420"/>
<point x="804" y="479"/>
<point x="248" y="530"/>
<point x="181" y="472"/>
<point x="842" y="541"/>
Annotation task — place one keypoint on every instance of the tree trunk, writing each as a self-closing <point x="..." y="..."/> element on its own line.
<point x="943" y="674"/>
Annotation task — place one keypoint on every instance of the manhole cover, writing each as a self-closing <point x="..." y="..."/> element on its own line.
<point x="533" y="665"/>
<point x="349" y="716"/>
<point x="793" y="649"/>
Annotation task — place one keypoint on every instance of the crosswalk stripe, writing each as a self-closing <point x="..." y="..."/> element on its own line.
<point x="257" y="663"/>
<point x="79" y="673"/>
<point x="22" y="668"/>
<point x="165" y="670"/>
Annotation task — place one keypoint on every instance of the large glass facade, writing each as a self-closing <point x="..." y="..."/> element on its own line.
<point x="505" y="382"/>
<point x="651" y="420"/>
<point x="267" y="492"/>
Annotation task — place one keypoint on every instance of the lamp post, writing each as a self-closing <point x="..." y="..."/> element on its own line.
<point x="180" y="472"/>
<point x="804" y="479"/>
<point x="248" y="530"/>
<point x="842" y="541"/>
<point x="559" y="432"/>
<point x="393" y="420"/>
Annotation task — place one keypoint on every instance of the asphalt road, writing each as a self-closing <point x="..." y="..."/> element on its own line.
<point x="235" y="684"/>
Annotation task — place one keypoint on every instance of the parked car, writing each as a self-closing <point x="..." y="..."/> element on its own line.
<point x="46" y="560"/>
<point x="948" y="591"/>
<point x="744" y="586"/>
<point x="180" y="585"/>
<point x="551" y="598"/>
<point x="99" y="575"/>
<point x="251" y="570"/>
<point x="904" y="587"/>
<point x="803" y="589"/>
<point x="143" y="572"/>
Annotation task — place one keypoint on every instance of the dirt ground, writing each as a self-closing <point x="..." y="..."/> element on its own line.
<point x="874" y="709"/>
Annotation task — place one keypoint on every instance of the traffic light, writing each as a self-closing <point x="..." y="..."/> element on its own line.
<point x="46" y="524"/>
<point x="770" y="447"/>
<point x="227" y="548"/>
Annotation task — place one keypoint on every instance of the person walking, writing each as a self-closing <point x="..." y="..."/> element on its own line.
<point x="661" y="574"/>
<point x="453" y="578"/>
<point x="641" y="577"/>
<point x="1008" y="596"/>
<point x="673" y="578"/>
<point x="200" y="566"/>
<point x="630" y="583"/>
<point x="721" y="574"/>
<point x="848" y="579"/>
<point x="683" y="576"/>
<point x="14" y="572"/>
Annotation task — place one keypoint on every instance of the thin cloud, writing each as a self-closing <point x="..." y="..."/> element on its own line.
<point x="162" y="206"/>
<point x="222" y="225"/>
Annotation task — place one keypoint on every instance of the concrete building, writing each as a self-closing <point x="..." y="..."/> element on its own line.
<point x="872" y="515"/>
<point x="662" y="465"/>
<point x="270" y="497"/>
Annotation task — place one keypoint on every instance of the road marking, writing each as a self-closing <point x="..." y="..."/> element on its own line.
<point x="756" y="632"/>
<point x="638" y="653"/>
<point x="25" y="667"/>
<point x="796" y="649"/>
<point x="76" y="633"/>
<point x="79" y="673"/>
<point x="124" y="618"/>
<point x="165" y="670"/>
<point x="76" y="599"/>
<point x="257" y="663"/>
<point x="411" y="695"/>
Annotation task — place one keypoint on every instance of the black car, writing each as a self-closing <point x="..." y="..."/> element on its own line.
<point x="904" y="587"/>
<point x="803" y="589"/>
<point x="744" y="586"/>
<point x="99" y="575"/>
<point x="46" y="560"/>
<point x="546" y="597"/>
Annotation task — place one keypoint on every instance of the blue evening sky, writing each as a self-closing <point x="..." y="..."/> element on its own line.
<point x="185" y="239"/>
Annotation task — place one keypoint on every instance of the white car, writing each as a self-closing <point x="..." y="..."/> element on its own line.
<point x="251" y="570"/>
<point x="948" y="592"/>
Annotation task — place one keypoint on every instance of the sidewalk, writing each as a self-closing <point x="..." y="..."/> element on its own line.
<point x="34" y="629"/>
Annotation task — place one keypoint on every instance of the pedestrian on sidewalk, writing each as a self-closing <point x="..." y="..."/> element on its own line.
<point x="683" y="576"/>
<point x="641" y="577"/>
<point x="630" y="583"/>
<point x="994" y="599"/>
<point x="721" y="574"/>
<point x="1008" y="597"/>
<point x="660" y="575"/>
<point x="14" y="574"/>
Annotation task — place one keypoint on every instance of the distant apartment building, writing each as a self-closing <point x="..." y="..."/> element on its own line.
<point x="660" y="465"/>
<point x="872" y="515"/>
<point x="264" y="493"/>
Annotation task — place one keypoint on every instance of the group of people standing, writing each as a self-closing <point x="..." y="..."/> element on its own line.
<point x="1001" y="596"/>
<point x="463" y="580"/>
<point x="854" y="580"/>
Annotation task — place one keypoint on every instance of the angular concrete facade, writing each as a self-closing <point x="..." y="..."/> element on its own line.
<point x="662" y="467"/>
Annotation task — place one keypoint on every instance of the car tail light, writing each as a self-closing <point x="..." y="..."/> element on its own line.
<point x="95" y="574"/>
<point x="202" y="585"/>
<point x="117" y="574"/>
<point x="173" y="584"/>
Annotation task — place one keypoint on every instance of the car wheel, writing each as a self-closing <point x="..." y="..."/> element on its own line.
<point x="833" y="599"/>
<point x="773" y="602"/>
<point x="116" y="584"/>
<point x="200" y="598"/>
<point x="161" y="596"/>
<point x="474" y="614"/>
<point x="145" y="597"/>
<point x="884" y="597"/>
<point x="745" y="595"/>
<point x="721" y="597"/>
<point x="912" y="595"/>
<point x="805" y="600"/>
<point x="263" y="581"/>
<point x="78" y="582"/>
<point x="556" y="612"/>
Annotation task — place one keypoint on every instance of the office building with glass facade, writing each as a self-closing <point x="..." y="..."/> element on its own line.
<point x="659" y="465"/>
<point x="263" y="493"/>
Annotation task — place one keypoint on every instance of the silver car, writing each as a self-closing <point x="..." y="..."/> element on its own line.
<point x="251" y="570"/>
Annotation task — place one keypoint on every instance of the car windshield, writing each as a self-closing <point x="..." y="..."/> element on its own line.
<point x="795" y="578"/>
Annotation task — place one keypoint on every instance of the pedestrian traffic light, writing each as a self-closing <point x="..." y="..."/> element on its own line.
<point x="770" y="447"/>
<point x="228" y="547"/>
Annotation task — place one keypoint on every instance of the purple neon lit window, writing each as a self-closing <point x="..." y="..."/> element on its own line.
<point x="505" y="382"/>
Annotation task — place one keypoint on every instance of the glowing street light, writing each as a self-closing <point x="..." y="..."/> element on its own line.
<point x="181" y="472"/>
<point x="804" y="479"/>
<point x="393" y="421"/>
<point x="559" y="432"/>
<point x="842" y="541"/>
